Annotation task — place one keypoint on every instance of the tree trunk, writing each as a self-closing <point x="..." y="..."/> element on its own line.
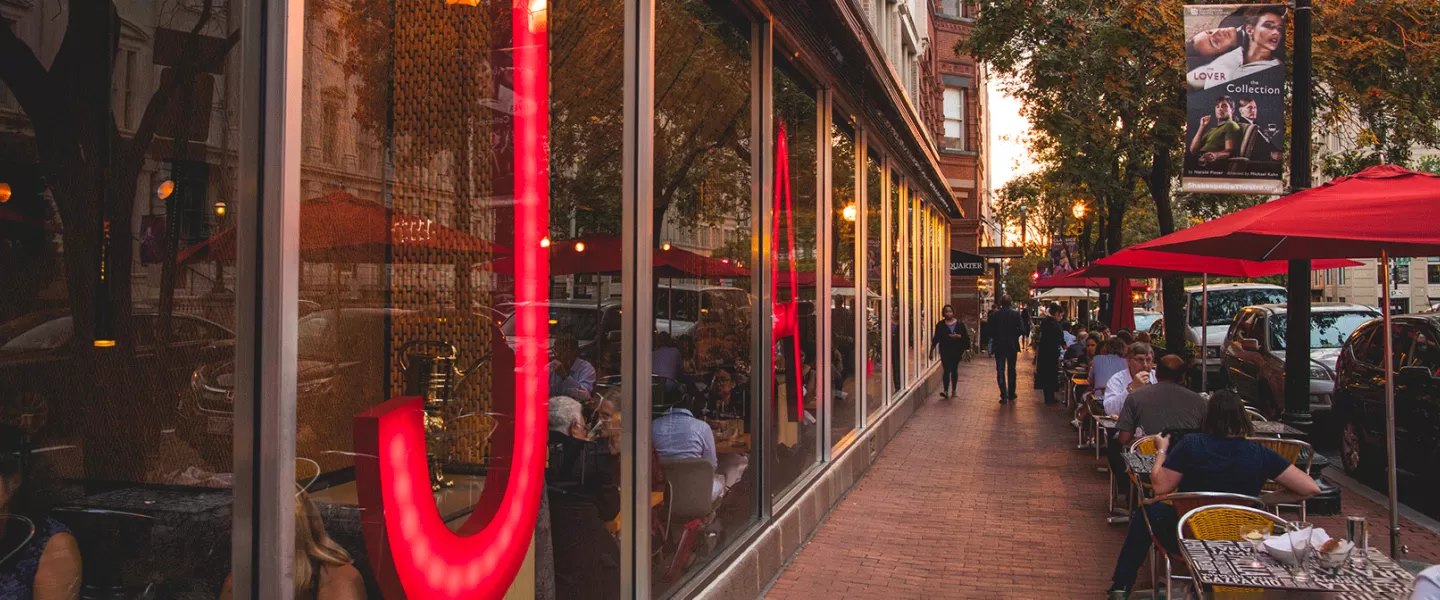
<point x="1173" y="287"/>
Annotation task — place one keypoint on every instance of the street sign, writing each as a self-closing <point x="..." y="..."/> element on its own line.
<point x="1002" y="251"/>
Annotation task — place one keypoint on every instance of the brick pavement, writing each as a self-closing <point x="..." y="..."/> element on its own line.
<point x="977" y="500"/>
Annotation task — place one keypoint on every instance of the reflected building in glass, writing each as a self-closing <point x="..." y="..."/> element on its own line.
<point x="456" y="299"/>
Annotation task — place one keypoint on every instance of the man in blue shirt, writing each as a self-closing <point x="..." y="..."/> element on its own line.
<point x="570" y="375"/>
<point x="678" y="434"/>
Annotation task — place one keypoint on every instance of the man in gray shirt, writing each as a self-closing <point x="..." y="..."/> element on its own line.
<point x="1167" y="405"/>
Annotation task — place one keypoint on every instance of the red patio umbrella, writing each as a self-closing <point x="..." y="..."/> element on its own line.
<point x="341" y="228"/>
<point x="1381" y="211"/>
<point x="1122" y="315"/>
<point x="1069" y="280"/>
<point x="602" y="254"/>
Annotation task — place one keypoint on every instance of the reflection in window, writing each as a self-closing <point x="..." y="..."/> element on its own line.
<point x="1328" y="329"/>
<point x="795" y="403"/>
<point x="896" y="250"/>
<point x="704" y="376"/>
<point x="875" y="367"/>
<point x="128" y="452"/>
<point x="845" y="354"/>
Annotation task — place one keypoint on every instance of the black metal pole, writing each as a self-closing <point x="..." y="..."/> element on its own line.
<point x="1297" y="330"/>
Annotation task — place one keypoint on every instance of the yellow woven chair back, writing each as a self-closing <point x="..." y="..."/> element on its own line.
<point x="1290" y="450"/>
<point x="1144" y="445"/>
<point x="1223" y="521"/>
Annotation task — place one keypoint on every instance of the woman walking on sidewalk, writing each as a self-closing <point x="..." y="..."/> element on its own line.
<point x="953" y="340"/>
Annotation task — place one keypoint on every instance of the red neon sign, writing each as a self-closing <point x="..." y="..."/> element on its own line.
<point x="414" y="554"/>
<point x="786" y="315"/>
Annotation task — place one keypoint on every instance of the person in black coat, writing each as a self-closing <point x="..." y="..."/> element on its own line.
<point x="1005" y="330"/>
<point x="1047" y="351"/>
<point x="953" y="339"/>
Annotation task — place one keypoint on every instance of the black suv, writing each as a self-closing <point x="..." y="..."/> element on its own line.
<point x="1360" y="406"/>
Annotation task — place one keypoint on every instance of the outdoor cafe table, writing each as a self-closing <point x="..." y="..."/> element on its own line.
<point x="1228" y="563"/>
<point x="1275" y="428"/>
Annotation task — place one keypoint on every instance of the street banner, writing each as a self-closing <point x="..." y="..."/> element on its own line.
<point x="1064" y="257"/>
<point x="1235" y="133"/>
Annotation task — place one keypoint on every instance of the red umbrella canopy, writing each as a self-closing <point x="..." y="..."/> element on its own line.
<point x="1122" y="315"/>
<point x="602" y="254"/>
<point x="1385" y="208"/>
<point x="342" y="228"/>
<point x="1069" y="280"/>
<point x="1154" y="263"/>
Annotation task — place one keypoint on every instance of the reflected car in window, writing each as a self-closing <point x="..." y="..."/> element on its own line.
<point x="1254" y="352"/>
<point x="1360" y="406"/>
<point x="37" y="363"/>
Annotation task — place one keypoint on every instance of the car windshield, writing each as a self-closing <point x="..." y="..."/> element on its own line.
<point x="50" y="335"/>
<point x="1327" y="329"/>
<point x="680" y="303"/>
<point x="1225" y="304"/>
<point x="577" y="321"/>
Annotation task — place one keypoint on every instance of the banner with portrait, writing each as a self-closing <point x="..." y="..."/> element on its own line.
<point x="1064" y="257"/>
<point x="1235" y="78"/>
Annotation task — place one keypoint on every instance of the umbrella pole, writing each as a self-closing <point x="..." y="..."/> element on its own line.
<point x="1204" y="330"/>
<point x="1390" y="409"/>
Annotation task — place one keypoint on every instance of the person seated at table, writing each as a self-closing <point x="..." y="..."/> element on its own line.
<point x="1427" y="584"/>
<point x="1167" y="406"/>
<point x="323" y="570"/>
<point x="1085" y="352"/>
<point x="724" y="395"/>
<point x="1107" y="362"/>
<point x="665" y="358"/>
<point x="1125" y="336"/>
<point x="582" y="485"/>
<point x="570" y="375"/>
<point x="1139" y="372"/>
<point x="1142" y="337"/>
<point x="678" y="434"/>
<point x="45" y="564"/>
<point x="1218" y="459"/>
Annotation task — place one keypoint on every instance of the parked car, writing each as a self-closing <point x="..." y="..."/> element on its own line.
<point x="1144" y="319"/>
<point x="1360" y="406"/>
<point x="1254" y="352"/>
<point x="680" y="308"/>
<point x="594" y="324"/>
<point x="37" y="366"/>
<point x="1225" y="301"/>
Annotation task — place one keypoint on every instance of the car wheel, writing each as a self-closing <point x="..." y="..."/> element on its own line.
<point x="1352" y="451"/>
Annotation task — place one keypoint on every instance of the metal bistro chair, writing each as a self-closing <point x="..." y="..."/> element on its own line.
<point x="1081" y="424"/>
<point x="1298" y="453"/>
<point x="688" y="498"/>
<point x="1222" y="522"/>
<point x="1184" y="502"/>
<point x="1255" y="414"/>
<point x="1097" y="412"/>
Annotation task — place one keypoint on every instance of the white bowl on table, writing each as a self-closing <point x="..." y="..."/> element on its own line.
<point x="1278" y="547"/>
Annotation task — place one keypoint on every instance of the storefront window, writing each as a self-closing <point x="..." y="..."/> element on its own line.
<point x="875" y="319"/>
<point x="897" y="315"/>
<point x="459" y="343"/>
<point x="118" y="162"/>
<point x="845" y="354"/>
<point x="795" y="402"/>
<point x="703" y="414"/>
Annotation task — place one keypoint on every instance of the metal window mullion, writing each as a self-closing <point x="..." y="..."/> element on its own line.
<point x="761" y="250"/>
<point x="824" y="214"/>
<point x="636" y="305"/>
<point x="267" y="273"/>
<point x="887" y="284"/>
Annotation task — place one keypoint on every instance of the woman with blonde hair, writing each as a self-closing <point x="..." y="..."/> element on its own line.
<point x="323" y="570"/>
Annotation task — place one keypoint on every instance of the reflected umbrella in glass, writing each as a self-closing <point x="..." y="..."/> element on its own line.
<point x="15" y="535"/>
<point x="1255" y="533"/>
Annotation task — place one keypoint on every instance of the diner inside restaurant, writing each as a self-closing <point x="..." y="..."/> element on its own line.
<point x="442" y="252"/>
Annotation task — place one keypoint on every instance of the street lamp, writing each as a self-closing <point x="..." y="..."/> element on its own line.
<point x="850" y="213"/>
<point x="1078" y="210"/>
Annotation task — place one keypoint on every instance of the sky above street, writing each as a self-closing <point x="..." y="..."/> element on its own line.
<point x="1008" y="158"/>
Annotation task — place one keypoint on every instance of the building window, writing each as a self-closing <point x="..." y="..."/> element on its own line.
<point x="1432" y="270"/>
<point x="332" y="42"/>
<point x="329" y="134"/>
<point x="1342" y="276"/>
<point x="953" y="137"/>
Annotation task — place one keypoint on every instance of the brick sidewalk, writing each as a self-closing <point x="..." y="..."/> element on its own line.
<point x="977" y="500"/>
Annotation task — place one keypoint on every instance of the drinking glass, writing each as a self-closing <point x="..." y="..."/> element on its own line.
<point x="1299" y="534"/>
<point x="1255" y="534"/>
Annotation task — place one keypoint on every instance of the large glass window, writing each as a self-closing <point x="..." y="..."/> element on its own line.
<point x="896" y="249"/>
<point x="703" y="418"/>
<point x="118" y="160"/>
<point x="875" y="255"/>
<point x="795" y="401"/>
<point x="845" y="354"/>
<point x="460" y="332"/>
<point x="953" y="107"/>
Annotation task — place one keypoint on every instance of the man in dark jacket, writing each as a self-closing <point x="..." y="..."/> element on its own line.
<point x="1005" y="332"/>
<point x="1047" y="354"/>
